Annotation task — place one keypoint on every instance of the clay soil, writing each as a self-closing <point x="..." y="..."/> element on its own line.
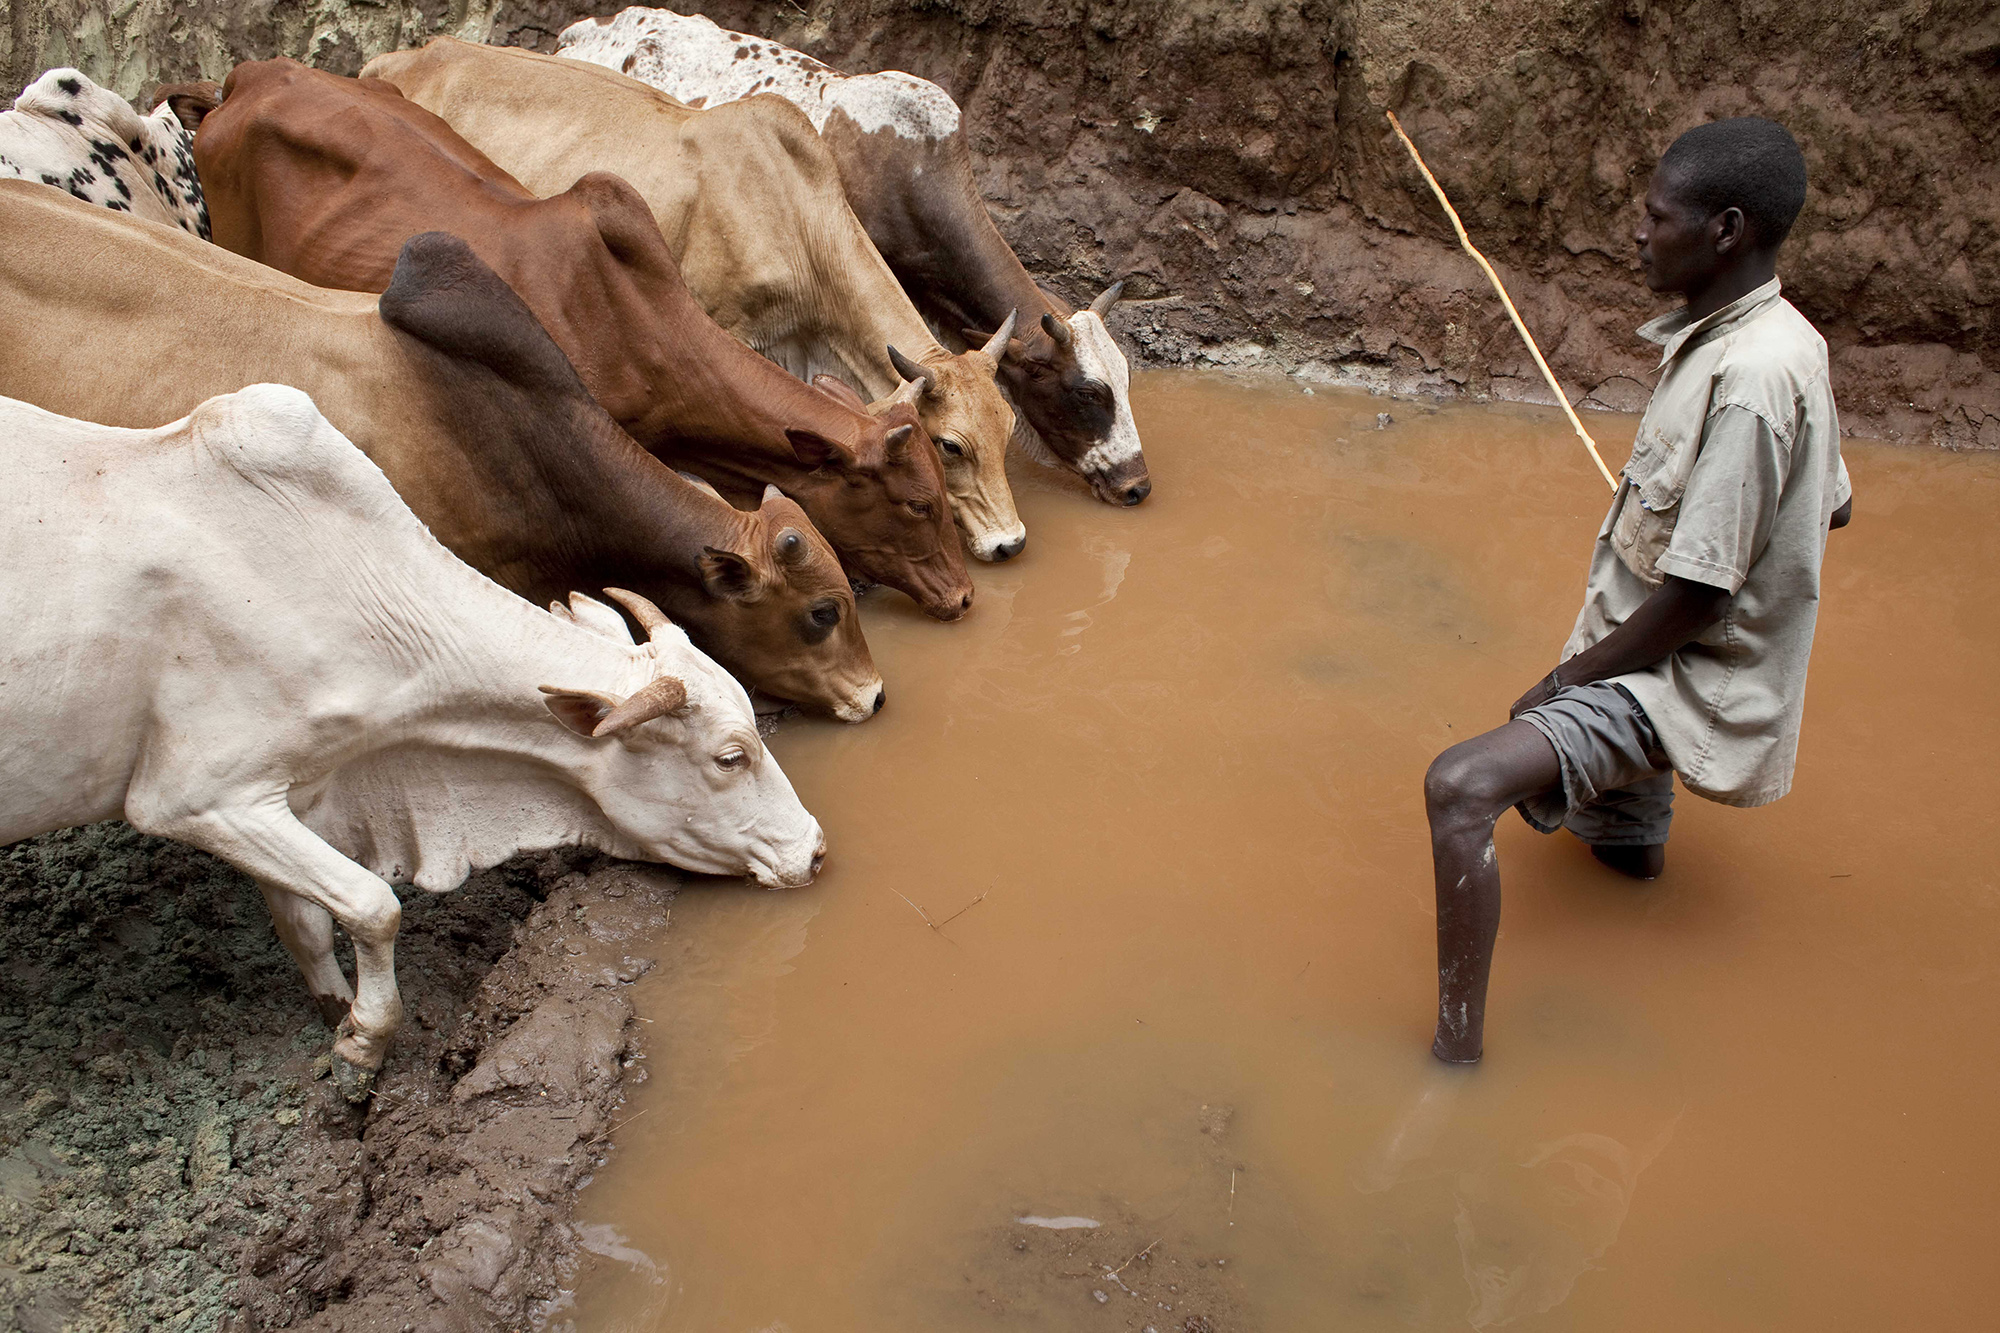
<point x="173" y="1157"/>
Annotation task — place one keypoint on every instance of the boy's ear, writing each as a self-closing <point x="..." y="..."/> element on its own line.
<point x="1731" y="231"/>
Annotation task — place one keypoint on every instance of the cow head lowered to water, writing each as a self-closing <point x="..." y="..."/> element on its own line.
<point x="326" y="688"/>
<point x="1073" y="386"/>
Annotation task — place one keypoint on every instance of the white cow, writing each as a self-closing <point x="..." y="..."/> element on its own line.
<point x="231" y="632"/>
<point x="67" y="132"/>
<point x="907" y="172"/>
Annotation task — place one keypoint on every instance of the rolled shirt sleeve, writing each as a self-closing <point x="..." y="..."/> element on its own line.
<point x="1731" y="500"/>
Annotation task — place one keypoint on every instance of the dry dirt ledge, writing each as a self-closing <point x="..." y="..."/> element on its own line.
<point x="170" y="1157"/>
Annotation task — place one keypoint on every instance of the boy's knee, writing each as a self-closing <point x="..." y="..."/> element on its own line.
<point x="1460" y="784"/>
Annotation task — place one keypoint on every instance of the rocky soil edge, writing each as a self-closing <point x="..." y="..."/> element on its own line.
<point x="172" y="1156"/>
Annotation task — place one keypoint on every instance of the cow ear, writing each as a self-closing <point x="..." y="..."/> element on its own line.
<point x="815" y="450"/>
<point x="840" y="391"/>
<point x="579" y="710"/>
<point x="594" y="616"/>
<point x="727" y="574"/>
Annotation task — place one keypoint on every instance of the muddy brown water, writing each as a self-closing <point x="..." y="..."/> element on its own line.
<point x="1160" y="796"/>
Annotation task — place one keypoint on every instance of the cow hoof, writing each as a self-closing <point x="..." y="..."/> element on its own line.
<point x="355" y="1083"/>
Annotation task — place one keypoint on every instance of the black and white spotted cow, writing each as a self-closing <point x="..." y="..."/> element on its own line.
<point x="68" y="132"/>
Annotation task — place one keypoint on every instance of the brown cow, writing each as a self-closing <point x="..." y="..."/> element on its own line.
<point x="325" y="177"/>
<point x="750" y="202"/>
<point x="903" y="162"/>
<point x="458" y="395"/>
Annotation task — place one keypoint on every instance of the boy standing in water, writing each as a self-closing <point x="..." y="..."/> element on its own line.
<point x="1690" y="653"/>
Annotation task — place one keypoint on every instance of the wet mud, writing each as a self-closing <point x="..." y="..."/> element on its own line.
<point x="172" y="1155"/>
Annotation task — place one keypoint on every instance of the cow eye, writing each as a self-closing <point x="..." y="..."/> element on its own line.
<point x="921" y="508"/>
<point x="732" y="759"/>
<point x="790" y="545"/>
<point x="952" y="447"/>
<point x="826" y="615"/>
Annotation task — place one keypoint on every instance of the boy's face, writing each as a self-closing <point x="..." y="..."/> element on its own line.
<point x="1677" y="250"/>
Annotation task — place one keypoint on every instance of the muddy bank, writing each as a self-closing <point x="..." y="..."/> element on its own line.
<point x="172" y="1156"/>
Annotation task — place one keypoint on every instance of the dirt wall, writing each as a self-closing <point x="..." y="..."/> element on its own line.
<point x="1233" y="160"/>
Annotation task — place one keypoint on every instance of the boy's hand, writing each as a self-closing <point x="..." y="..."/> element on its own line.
<point x="1540" y="693"/>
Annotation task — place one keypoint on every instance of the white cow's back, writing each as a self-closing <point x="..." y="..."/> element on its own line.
<point x="689" y="58"/>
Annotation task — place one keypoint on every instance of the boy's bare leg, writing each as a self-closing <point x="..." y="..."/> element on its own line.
<point x="1467" y="789"/>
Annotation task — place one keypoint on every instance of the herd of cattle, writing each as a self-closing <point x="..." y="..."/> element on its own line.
<point x="457" y="339"/>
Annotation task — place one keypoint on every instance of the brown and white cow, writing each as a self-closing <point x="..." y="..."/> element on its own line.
<point x="67" y="132"/>
<point x="751" y="204"/>
<point x="904" y="163"/>
<point x="459" y="396"/>
<point x="325" y="177"/>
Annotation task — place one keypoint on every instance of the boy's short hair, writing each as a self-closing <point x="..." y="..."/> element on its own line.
<point x="1746" y="162"/>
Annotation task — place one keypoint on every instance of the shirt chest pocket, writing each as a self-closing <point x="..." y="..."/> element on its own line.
<point x="1657" y="477"/>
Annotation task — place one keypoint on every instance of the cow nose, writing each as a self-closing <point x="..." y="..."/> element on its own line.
<point x="880" y="699"/>
<point x="965" y="603"/>
<point x="1009" y="550"/>
<point x="1138" y="491"/>
<point x="819" y="859"/>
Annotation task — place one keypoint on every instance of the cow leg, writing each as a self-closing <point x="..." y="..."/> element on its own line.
<point x="265" y="841"/>
<point x="307" y="932"/>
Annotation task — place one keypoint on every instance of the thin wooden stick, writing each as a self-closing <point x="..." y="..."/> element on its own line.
<point x="615" y="1128"/>
<point x="1512" y="313"/>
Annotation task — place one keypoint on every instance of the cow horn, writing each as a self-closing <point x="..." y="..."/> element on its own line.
<point x="700" y="484"/>
<point x="656" y="698"/>
<point x="1057" y="330"/>
<point x="771" y="492"/>
<point x="908" y="392"/>
<point x="651" y="618"/>
<point x="1107" y="298"/>
<point x="909" y="369"/>
<point x="997" y="344"/>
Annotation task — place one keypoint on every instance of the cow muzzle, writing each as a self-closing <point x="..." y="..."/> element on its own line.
<point x="1125" y="486"/>
<point x="792" y="867"/>
<point x="862" y="702"/>
<point x="1001" y="545"/>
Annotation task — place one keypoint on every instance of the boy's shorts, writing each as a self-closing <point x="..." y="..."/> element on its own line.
<point x="1617" y="783"/>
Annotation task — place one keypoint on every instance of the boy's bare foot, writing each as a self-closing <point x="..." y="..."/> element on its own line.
<point x="1636" y="861"/>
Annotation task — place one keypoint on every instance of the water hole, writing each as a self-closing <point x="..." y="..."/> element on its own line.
<point x="1162" y="1062"/>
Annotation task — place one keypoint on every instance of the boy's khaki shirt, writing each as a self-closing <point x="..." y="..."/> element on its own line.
<point x="1734" y="476"/>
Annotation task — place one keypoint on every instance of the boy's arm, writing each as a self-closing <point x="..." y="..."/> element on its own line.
<point x="1674" y="616"/>
<point x="1726" y="514"/>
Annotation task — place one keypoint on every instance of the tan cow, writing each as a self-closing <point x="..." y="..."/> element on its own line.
<point x="751" y="204"/>
<point x="458" y="395"/>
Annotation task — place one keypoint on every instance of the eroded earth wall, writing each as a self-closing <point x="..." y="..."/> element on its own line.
<point x="1231" y="157"/>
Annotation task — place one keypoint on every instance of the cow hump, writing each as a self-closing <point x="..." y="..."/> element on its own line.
<point x="443" y="294"/>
